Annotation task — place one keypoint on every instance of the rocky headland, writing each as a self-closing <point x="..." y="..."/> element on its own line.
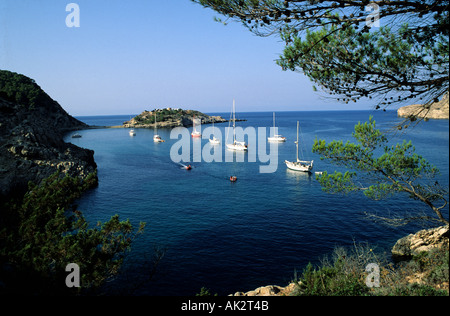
<point x="169" y="118"/>
<point x="32" y="127"/>
<point x="437" y="110"/>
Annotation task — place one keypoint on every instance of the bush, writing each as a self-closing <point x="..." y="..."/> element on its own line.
<point x="43" y="233"/>
<point x="344" y="274"/>
<point x="22" y="90"/>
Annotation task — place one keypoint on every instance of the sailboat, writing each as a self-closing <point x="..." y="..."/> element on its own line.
<point x="299" y="165"/>
<point x="156" y="137"/>
<point x="214" y="140"/>
<point x="276" y="137"/>
<point x="241" y="146"/>
<point x="195" y="133"/>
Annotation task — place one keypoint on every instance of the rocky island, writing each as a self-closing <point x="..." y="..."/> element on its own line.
<point x="32" y="126"/>
<point x="169" y="117"/>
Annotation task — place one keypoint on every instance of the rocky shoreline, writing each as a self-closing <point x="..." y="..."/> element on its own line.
<point x="270" y="290"/>
<point x="405" y="248"/>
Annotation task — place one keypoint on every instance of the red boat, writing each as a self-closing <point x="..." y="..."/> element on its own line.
<point x="233" y="179"/>
<point x="188" y="167"/>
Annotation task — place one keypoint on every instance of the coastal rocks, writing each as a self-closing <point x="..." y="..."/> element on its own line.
<point x="270" y="290"/>
<point x="31" y="137"/>
<point x="437" y="110"/>
<point x="424" y="240"/>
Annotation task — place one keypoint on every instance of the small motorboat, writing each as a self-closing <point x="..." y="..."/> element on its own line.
<point x="76" y="135"/>
<point x="196" y="134"/>
<point x="214" y="140"/>
<point x="188" y="167"/>
<point x="233" y="178"/>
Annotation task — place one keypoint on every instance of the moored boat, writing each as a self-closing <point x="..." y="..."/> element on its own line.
<point x="236" y="145"/>
<point x="276" y="137"/>
<point x="299" y="165"/>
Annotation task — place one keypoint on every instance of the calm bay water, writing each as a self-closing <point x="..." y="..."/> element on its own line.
<point x="232" y="237"/>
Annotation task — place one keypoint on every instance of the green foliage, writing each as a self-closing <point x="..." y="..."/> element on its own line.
<point x="341" y="277"/>
<point x="22" y="90"/>
<point x="434" y="264"/>
<point x="45" y="235"/>
<point x="396" y="168"/>
<point x="344" y="274"/>
<point x="416" y="290"/>
<point x="384" y="62"/>
<point x="333" y="44"/>
<point x="205" y="292"/>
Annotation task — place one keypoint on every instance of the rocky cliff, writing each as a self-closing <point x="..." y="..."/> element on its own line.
<point x="437" y="110"/>
<point x="32" y="126"/>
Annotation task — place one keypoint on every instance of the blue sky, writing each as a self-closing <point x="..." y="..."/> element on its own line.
<point x="129" y="56"/>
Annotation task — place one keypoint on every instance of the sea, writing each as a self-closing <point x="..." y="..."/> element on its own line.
<point x="204" y="231"/>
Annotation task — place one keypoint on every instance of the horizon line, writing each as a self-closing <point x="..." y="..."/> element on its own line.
<point x="266" y="111"/>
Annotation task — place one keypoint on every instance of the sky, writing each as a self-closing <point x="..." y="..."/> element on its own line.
<point x="129" y="56"/>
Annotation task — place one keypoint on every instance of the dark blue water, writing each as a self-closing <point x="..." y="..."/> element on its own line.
<point x="232" y="237"/>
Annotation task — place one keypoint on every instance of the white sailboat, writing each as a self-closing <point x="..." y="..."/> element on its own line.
<point x="214" y="140"/>
<point x="299" y="165"/>
<point x="276" y="137"/>
<point x="195" y="133"/>
<point x="240" y="146"/>
<point x="156" y="137"/>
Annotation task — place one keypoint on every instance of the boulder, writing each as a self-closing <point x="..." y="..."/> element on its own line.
<point x="423" y="240"/>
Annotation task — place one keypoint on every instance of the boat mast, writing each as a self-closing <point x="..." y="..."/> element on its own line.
<point x="156" y="129"/>
<point x="234" y="124"/>
<point x="297" y="140"/>
<point x="274" y="120"/>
